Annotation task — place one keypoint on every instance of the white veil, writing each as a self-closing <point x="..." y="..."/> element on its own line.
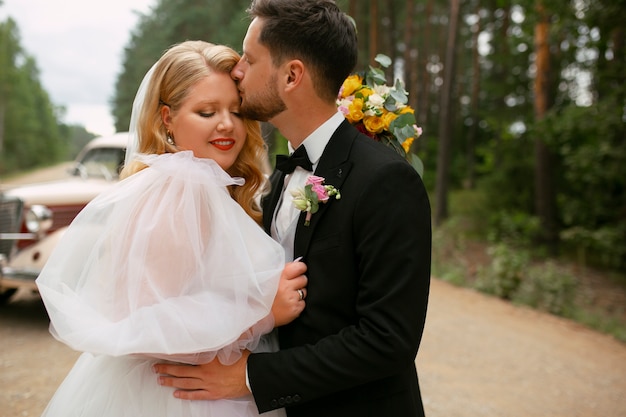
<point x="133" y="134"/>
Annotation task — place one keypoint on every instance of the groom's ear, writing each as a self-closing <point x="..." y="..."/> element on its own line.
<point x="295" y="72"/>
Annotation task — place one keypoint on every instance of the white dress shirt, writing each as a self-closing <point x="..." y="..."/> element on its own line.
<point x="286" y="215"/>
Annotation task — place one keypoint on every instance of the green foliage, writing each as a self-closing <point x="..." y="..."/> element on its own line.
<point x="511" y="276"/>
<point x="548" y="288"/>
<point x="591" y="146"/>
<point x="515" y="227"/>
<point x="504" y="275"/>
<point x="506" y="167"/>
<point x="30" y="132"/>
<point x="602" y="246"/>
<point x="78" y="137"/>
<point x="559" y="288"/>
<point x="449" y="243"/>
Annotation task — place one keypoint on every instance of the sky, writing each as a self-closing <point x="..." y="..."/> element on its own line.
<point x="78" y="46"/>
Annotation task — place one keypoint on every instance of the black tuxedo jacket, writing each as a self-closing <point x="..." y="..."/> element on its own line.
<point x="352" y="350"/>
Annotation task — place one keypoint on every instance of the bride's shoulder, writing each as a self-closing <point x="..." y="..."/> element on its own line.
<point x="184" y="165"/>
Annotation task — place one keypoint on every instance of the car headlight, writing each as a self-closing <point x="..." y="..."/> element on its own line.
<point x="38" y="219"/>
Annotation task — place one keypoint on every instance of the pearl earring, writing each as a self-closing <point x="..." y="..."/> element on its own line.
<point x="169" y="138"/>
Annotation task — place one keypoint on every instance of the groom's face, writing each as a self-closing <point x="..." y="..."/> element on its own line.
<point x="257" y="78"/>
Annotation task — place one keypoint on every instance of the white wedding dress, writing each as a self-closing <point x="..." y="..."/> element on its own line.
<point x="164" y="266"/>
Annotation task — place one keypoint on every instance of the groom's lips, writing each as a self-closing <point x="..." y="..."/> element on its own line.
<point x="223" y="144"/>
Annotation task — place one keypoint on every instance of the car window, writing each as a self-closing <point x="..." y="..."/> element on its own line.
<point x="102" y="162"/>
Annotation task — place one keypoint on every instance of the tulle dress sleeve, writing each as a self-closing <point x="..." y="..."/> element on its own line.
<point x="165" y="264"/>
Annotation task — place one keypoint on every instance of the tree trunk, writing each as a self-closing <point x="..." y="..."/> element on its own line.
<point x="373" y="31"/>
<point x="389" y="38"/>
<point x="424" y="52"/>
<point x="545" y="206"/>
<point x="475" y="97"/>
<point x="352" y="8"/>
<point x="406" y="56"/>
<point x="446" y="118"/>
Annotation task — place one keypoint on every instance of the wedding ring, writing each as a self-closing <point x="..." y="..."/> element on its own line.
<point x="301" y="293"/>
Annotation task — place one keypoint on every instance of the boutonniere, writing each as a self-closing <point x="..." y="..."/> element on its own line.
<point x="314" y="192"/>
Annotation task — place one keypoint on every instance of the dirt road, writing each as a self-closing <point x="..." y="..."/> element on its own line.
<point x="480" y="357"/>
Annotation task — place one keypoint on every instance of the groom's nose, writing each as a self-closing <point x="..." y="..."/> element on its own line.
<point x="237" y="72"/>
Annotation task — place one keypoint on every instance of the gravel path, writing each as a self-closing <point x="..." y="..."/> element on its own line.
<point x="480" y="357"/>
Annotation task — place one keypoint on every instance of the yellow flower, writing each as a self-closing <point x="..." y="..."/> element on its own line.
<point x="407" y="109"/>
<point x="350" y="85"/>
<point x="366" y="92"/>
<point x="355" y="111"/>
<point x="374" y="124"/>
<point x="388" y="117"/>
<point x="406" y="145"/>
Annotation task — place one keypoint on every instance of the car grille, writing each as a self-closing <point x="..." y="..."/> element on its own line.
<point x="10" y="221"/>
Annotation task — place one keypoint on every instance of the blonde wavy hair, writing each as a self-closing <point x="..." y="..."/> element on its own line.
<point x="180" y="68"/>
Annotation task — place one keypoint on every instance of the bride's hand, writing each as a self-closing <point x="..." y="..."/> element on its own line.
<point x="289" y="301"/>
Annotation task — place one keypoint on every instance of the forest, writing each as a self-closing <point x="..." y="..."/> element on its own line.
<point x="522" y="105"/>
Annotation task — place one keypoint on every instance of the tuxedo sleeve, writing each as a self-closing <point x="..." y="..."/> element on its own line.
<point x="389" y="262"/>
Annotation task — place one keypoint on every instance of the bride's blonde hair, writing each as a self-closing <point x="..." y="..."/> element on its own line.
<point x="179" y="69"/>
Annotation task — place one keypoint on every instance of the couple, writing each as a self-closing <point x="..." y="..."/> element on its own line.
<point x="184" y="276"/>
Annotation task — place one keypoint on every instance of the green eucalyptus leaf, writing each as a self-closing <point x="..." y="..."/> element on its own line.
<point x="403" y="133"/>
<point x="375" y="76"/>
<point x="406" y="119"/>
<point x="390" y="104"/>
<point x="399" y="96"/>
<point x="394" y="144"/>
<point x="383" y="60"/>
<point x="416" y="163"/>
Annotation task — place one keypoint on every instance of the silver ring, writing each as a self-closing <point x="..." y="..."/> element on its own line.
<point x="301" y="293"/>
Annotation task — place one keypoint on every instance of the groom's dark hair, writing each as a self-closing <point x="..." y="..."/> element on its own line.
<point x="316" y="32"/>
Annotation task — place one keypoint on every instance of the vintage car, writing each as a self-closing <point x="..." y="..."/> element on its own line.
<point x="34" y="217"/>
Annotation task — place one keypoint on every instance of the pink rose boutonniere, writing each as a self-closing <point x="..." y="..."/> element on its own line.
<point x="314" y="192"/>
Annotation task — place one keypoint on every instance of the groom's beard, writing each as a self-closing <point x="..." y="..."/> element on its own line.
<point x="265" y="104"/>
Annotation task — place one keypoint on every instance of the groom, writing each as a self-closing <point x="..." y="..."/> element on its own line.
<point x="352" y="350"/>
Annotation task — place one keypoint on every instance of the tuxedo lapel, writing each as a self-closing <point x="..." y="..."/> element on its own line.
<point x="271" y="200"/>
<point x="334" y="167"/>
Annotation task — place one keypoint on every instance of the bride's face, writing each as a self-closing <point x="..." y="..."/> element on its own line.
<point x="208" y="122"/>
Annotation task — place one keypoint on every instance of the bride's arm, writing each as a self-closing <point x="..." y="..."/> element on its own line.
<point x="286" y="307"/>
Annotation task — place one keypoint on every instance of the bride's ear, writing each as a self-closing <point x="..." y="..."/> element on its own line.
<point x="166" y="116"/>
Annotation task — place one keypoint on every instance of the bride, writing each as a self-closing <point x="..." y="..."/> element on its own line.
<point x="171" y="264"/>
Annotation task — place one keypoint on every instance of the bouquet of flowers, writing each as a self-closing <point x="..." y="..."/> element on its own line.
<point x="380" y="111"/>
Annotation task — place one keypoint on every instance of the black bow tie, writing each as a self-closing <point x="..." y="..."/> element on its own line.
<point x="298" y="158"/>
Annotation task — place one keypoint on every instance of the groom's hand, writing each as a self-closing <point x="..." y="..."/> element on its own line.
<point x="209" y="381"/>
